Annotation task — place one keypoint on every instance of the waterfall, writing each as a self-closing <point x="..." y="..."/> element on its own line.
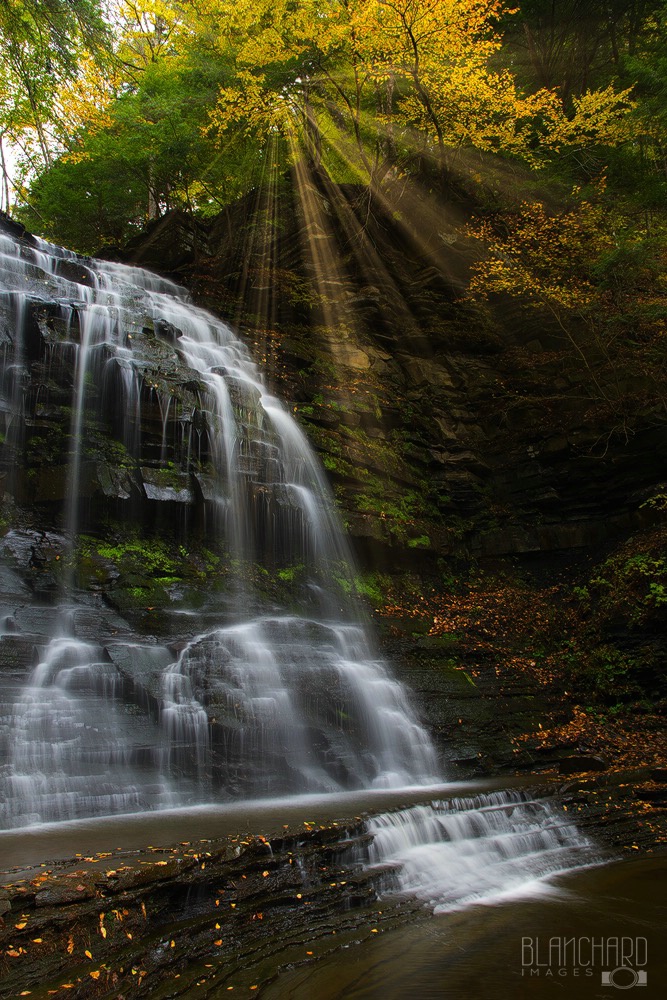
<point x="264" y="701"/>
<point x="449" y="854"/>
<point x="269" y="701"/>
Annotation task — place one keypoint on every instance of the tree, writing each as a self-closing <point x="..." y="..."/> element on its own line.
<point x="574" y="46"/>
<point x="199" y="95"/>
<point x="388" y="74"/>
<point x="138" y="151"/>
<point x="41" y="43"/>
<point x="600" y="278"/>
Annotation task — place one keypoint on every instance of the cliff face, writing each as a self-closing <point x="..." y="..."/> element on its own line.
<point x="452" y="435"/>
<point x="447" y="430"/>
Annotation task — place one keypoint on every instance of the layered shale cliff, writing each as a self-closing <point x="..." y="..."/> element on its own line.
<point x="453" y="435"/>
<point x="447" y="428"/>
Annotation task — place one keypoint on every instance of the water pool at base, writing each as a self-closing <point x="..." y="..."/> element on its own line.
<point x="485" y="952"/>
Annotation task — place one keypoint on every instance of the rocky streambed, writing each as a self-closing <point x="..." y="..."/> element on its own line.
<point x="234" y="904"/>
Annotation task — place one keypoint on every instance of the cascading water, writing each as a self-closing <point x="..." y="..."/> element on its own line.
<point x="267" y="701"/>
<point x="481" y="849"/>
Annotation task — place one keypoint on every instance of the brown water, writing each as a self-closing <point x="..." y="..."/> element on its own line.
<point x="134" y="831"/>
<point x="478" y="953"/>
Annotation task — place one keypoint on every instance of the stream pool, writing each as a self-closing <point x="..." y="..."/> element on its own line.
<point x="487" y="907"/>
<point x="487" y="952"/>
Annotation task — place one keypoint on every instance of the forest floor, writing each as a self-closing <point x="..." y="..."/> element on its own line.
<point x="520" y="691"/>
<point x="491" y="661"/>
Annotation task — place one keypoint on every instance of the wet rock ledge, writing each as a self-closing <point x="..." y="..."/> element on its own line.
<point x="229" y="914"/>
<point x="209" y="914"/>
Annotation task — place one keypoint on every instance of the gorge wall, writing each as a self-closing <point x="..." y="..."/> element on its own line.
<point x="448" y="429"/>
<point x="453" y="434"/>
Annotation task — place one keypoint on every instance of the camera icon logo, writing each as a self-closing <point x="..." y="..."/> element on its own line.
<point x="624" y="978"/>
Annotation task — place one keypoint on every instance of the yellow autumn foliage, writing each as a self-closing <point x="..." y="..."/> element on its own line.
<point x="544" y="258"/>
<point x="418" y="67"/>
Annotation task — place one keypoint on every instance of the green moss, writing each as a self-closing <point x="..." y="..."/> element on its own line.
<point x="374" y="587"/>
<point x="136" y="567"/>
<point x="150" y="557"/>
<point x="422" y="542"/>
<point x="115" y="453"/>
<point x="212" y="561"/>
<point x="290" y="573"/>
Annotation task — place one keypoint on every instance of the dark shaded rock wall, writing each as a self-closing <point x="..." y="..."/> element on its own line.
<point x="447" y="429"/>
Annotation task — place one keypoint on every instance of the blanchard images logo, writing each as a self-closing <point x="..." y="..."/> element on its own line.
<point x="612" y="961"/>
<point x="624" y="977"/>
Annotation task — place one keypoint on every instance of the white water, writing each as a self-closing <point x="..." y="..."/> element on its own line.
<point x="452" y="853"/>
<point x="268" y="702"/>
